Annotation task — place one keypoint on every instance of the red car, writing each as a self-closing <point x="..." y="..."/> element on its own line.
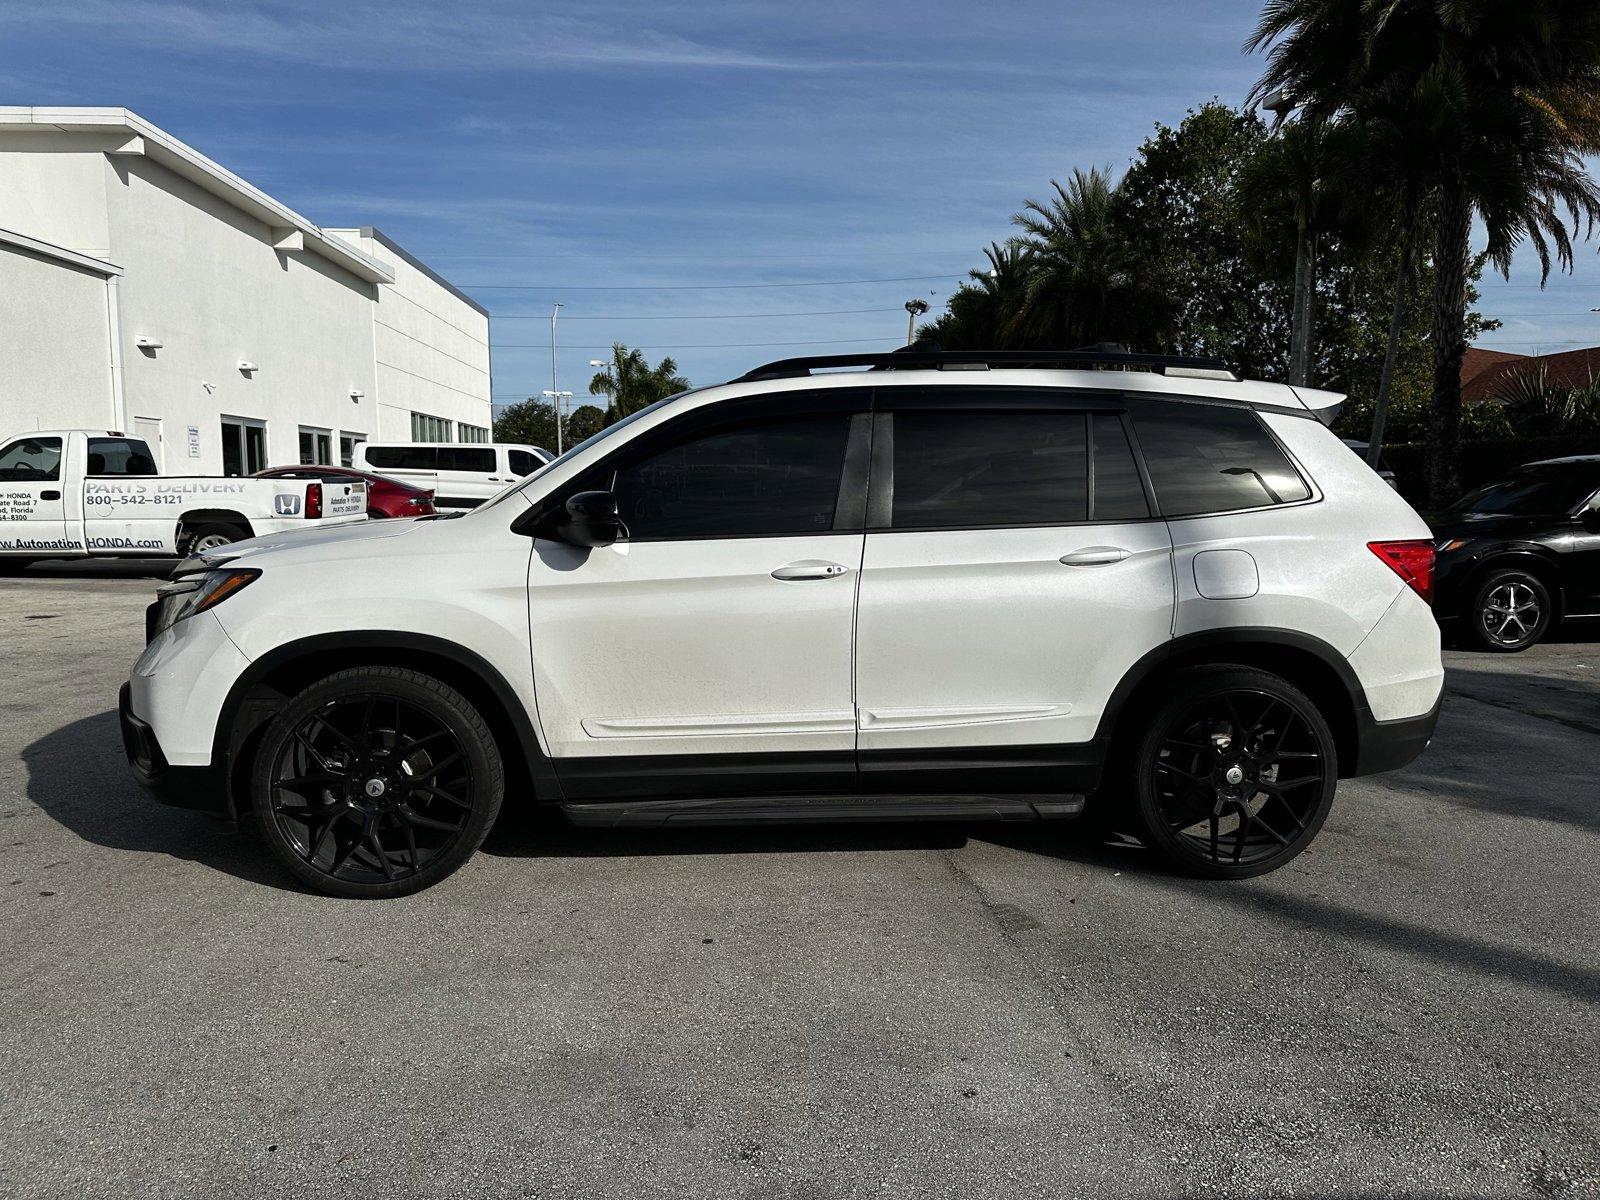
<point x="385" y="497"/>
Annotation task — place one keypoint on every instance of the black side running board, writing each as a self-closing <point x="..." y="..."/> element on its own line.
<point x="798" y="810"/>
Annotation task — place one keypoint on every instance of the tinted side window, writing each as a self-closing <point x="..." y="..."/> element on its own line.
<point x="119" y="456"/>
<point x="522" y="463"/>
<point x="404" y="458"/>
<point x="1118" y="493"/>
<point x="956" y="469"/>
<point x="29" y="460"/>
<point x="1206" y="459"/>
<point x="467" y="458"/>
<point x="759" y="481"/>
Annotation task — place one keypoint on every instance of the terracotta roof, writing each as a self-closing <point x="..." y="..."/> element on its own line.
<point x="1476" y="361"/>
<point x="1574" y="368"/>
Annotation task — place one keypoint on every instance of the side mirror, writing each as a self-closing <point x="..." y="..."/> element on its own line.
<point x="1591" y="519"/>
<point x="590" y="519"/>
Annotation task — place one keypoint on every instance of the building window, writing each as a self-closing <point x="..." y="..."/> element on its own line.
<point x="429" y="429"/>
<point x="244" y="446"/>
<point x="471" y="433"/>
<point x="347" y="448"/>
<point x="316" y="446"/>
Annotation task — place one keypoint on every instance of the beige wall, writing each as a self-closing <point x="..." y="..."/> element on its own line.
<point x="55" y="349"/>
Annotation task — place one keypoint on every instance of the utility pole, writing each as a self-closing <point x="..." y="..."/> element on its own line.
<point x="914" y="309"/>
<point x="558" y="401"/>
<point x="555" y="310"/>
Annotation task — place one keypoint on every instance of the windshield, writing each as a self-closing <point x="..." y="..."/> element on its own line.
<point x="572" y="450"/>
<point x="1539" y="492"/>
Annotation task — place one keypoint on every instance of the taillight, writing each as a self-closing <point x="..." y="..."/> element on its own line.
<point x="313" y="501"/>
<point x="1412" y="561"/>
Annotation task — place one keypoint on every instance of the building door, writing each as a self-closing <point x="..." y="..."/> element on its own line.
<point x="244" y="445"/>
<point x="316" y="446"/>
<point x="347" y="447"/>
<point x="149" y="428"/>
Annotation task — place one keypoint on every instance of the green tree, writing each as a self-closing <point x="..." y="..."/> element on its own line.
<point x="528" y="422"/>
<point x="584" y="422"/>
<point x="978" y="312"/>
<point x="632" y="383"/>
<point x="1513" y="94"/>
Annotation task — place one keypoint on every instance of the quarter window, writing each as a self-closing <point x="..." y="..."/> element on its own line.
<point x="31" y="460"/>
<point x="974" y="469"/>
<point x="761" y="481"/>
<point x="1118" y="494"/>
<point x="1211" y="458"/>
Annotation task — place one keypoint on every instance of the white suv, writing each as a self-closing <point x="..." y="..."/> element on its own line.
<point x="948" y="586"/>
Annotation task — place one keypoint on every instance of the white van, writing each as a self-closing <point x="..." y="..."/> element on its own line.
<point x="461" y="474"/>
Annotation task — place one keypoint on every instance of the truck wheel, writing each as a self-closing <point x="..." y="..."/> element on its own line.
<point x="1235" y="773"/>
<point x="212" y="537"/>
<point x="376" y="782"/>
<point x="13" y="566"/>
<point x="1510" y="611"/>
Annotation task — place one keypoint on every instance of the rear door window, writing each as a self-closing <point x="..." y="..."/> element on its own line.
<point x="477" y="459"/>
<point x="404" y="458"/>
<point x="962" y="470"/>
<point x="1206" y="458"/>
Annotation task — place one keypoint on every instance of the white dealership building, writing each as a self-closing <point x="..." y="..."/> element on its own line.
<point x="145" y="288"/>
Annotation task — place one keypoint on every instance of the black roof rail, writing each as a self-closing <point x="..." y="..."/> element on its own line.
<point x="915" y="358"/>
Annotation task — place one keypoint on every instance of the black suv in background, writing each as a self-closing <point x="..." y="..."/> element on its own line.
<point x="1518" y="556"/>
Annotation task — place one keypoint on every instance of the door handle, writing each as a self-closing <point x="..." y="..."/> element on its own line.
<point x="1095" y="556"/>
<point x="52" y="494"/>
<point x="812" y="569"/>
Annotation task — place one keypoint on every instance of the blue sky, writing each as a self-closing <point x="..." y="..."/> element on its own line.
<point x="657" y="149"/>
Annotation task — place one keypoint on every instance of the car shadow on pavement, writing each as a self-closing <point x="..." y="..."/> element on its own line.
<point x="78" y="776"/>
<point x="99" y="568"/>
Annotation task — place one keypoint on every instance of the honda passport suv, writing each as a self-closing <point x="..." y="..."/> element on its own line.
<point x="912" y="586"/>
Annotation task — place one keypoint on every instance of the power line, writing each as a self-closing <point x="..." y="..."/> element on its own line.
<point x="821" y="312"/>
<point x="692" y="287"/>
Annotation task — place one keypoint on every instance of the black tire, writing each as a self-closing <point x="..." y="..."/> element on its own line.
<point x="14" y="566"/>
<point x="369" y="754"/>
<point x="209" y="537"/>
<point x="1510" y="610"/>
<point x="1213" y="722"/>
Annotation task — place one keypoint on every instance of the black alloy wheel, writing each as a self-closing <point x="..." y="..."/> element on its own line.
<point x="376" y="782"/>
<point x="1510" y="611"/>
<point x="1235" y="774"/>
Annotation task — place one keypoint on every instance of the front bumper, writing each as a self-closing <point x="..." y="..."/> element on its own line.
<point x="202" y="788"/>
<point x="1390" y="745"/>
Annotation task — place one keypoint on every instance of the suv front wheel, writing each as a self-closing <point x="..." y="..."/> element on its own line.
<point x="376" y="782"/>
<point x="1235" y="773"/>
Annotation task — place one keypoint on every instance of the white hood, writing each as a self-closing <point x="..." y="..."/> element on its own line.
<point x="312" y="538"/>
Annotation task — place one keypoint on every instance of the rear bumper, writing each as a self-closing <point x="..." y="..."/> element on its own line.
<point x="1390" y="745"/>
<point x="202" y="788"/>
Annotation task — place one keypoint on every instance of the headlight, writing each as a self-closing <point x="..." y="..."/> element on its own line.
<point x="194" y="594"/>
<point x="1450" y="544"/>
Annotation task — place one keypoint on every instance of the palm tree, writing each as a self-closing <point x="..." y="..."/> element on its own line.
<point x="1082" y="283"/>
<point x="1514" y="92"/>
<point x="979" y="310"/>
<point x="632" y="383"/>
<point x="1300" y="171"/>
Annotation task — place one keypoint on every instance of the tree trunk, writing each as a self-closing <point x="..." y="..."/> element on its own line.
<point x="1452" y="264"/>
<point x="1299" y="322"/>
<point x="1380" y="411"/>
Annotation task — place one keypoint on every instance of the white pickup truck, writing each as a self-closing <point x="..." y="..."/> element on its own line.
<point x="72" y="493"/>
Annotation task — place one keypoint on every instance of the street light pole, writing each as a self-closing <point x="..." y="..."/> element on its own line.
<point x="554" y="310"/>
<point x="558" y="401"/>
<point x="914" y="309"/>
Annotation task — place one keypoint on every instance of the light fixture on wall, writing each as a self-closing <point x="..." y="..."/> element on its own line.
<point x="147" y="343"/>
<point x="247" y="367"/>
<point x="356" y="395"/>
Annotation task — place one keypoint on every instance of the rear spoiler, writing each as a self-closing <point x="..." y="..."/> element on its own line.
<point x="1324" y="406"/>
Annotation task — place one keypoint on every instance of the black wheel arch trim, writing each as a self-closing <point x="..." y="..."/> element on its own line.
<point x="1371" y="738"/>
<point x="229" y="736"/>
<point x="1533" y="557"/>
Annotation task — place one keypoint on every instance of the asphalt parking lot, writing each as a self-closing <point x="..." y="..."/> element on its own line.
<point x="1412" y="1008"/>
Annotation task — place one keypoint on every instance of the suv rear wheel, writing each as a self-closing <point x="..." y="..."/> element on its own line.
<point x="376" y="782"/>
<point x="1235" y="774"/>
